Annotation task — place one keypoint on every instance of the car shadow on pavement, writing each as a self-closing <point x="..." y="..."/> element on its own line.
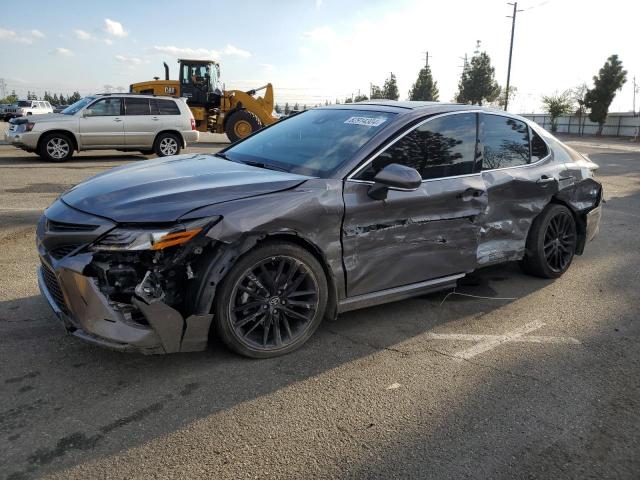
<point x="65" y="402"/>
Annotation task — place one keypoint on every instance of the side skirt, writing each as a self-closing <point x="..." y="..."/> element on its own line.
<point x="397" y="293"/>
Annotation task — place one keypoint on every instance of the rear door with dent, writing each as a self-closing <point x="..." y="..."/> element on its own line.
<point x="521" y="176"/>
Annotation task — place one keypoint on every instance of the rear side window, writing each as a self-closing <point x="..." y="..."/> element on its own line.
<point x="539" y="149"/>
<point x="137" y="106"/>
<point x="505" y="140"/>
<point x="164" y="107"/>
<point x="442" y="147"/>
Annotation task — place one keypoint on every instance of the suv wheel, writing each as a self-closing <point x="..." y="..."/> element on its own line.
<point x="167" y="144"/>
<point x="56" y="147"/>
<point x="271" y="301"/>
<point x="551" y="244"/>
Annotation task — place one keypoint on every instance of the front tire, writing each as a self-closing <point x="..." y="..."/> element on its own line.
<point x="551" y="244"/>
<point x="167" y="144"/>
<point x="271" y="301"/>
<point x="241" y="124"/>
<point x="56" y="147"/>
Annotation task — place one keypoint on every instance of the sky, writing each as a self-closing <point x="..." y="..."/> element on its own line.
<point x="317" y="50"/>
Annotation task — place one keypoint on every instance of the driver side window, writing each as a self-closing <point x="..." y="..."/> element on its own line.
<point x="442" y="147"/>
<point x="107" y="107"/>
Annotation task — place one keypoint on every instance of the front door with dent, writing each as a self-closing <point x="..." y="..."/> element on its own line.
<point x="414" y="236"/>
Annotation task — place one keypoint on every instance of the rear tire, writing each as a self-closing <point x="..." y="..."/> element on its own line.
<point x="167" y="144"/>
<point x="271" y="301"/>
<point x="551" y="243"/>
<point x="56" y="147"/>
<point x="241" y="124"/>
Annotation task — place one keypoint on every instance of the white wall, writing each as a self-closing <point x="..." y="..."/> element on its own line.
<point x="618" y="124"/>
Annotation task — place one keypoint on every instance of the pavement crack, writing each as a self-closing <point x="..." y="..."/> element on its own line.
<point x="370" y="345"/>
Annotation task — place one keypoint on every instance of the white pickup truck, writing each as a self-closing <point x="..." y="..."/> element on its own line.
<point x="27" y="107"/>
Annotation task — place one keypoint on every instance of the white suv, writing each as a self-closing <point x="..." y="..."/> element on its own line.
<point x="27" y="107"/>
<point x="126" y="122"/>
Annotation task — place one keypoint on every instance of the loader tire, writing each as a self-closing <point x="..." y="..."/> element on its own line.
<point x="241" y="124"/>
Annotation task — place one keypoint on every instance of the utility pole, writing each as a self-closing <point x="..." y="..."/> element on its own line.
<point x="635" y="90"/>
<point x="513" y="28"/>
<point x="426" y="58"/>
<point x="465" y="63"/>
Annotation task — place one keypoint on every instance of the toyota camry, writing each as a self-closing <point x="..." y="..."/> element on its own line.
<point x="327" y="211"/>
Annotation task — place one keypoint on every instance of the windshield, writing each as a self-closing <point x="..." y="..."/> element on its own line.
<point x="79" y="105"/>
<point x="24" y="103"/>
<point x="314" y="143"/>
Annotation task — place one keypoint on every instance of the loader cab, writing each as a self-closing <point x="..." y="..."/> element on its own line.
<point x="200" y="83"/>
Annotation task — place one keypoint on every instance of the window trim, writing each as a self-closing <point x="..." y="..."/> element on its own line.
<point x="479" y="172"/>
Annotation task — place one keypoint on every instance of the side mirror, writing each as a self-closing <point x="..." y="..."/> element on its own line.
<point x="86" y="113"/>
<point x="394" y="175"/>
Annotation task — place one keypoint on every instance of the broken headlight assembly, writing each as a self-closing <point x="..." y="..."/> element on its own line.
<point x="136" y="238"/>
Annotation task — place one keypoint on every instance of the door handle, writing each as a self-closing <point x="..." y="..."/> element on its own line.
<point x="545" y="179"/>
<point x="155" y="119"/>
<point x="117" y="119"/>
<point x="471" y="193"/>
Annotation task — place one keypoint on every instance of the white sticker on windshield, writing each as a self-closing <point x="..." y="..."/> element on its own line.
<point x="366" y="121"/>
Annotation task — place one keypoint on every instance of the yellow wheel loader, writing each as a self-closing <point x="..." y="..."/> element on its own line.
<point x="234" y="112"/>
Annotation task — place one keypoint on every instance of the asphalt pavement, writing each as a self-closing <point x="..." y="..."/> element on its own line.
<point x="523" y="378"/>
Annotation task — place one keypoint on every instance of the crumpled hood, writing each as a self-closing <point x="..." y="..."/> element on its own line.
<point x="165" y="189"/>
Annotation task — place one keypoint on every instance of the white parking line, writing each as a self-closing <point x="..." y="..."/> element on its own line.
<point x="489" y="342"/>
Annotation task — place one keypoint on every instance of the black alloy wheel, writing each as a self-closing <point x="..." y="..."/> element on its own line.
<point x="551" y="244"/>
<point x="560" y="241"/>
<point x="272" y="302"/>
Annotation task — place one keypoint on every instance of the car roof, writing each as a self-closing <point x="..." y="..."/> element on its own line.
<point x="417" y="108"/>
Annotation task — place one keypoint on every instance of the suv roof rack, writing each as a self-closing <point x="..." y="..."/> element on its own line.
<point x="107" y="94"/>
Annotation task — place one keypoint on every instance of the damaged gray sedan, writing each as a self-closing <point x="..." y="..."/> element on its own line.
<point x="327" y="211"/>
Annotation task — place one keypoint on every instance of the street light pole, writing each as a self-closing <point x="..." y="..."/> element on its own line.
<point x="513" y="28"/>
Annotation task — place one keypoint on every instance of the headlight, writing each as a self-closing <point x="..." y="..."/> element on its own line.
<point x="24" y="127"/>
<point x="130" y="239"/>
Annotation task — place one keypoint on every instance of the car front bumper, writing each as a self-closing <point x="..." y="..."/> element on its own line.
<point x="25" y="140"/>
<point x="86" y="313"/>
